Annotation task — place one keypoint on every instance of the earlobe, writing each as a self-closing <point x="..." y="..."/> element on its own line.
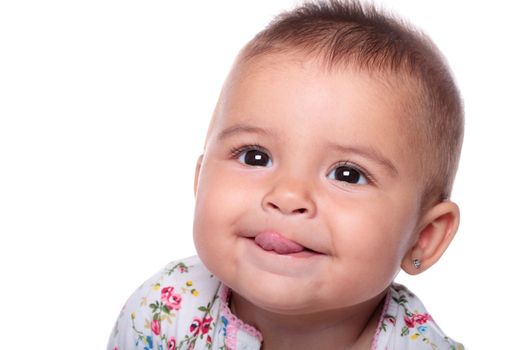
<point x="438" y="228"/>
<point x="197" y="173"/>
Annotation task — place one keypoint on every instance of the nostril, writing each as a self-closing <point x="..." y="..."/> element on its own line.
<point x="286" y="210"/>
<point x="273" y="206"/>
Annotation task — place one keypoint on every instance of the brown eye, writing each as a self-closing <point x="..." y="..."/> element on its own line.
<point x="348" y="174"/>
<point x="255" y="157"/>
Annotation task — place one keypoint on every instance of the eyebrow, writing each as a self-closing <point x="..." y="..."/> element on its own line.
<point x="241" y="128"/>
<point x="369" y="153"/>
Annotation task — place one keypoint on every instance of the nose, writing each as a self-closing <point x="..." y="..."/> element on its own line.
<point x="290" y="197"/>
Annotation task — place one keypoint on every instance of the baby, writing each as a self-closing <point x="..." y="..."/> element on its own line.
<point x="328" y="167"/>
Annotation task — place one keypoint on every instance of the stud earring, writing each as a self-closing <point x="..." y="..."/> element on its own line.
<point x="417" y="263"/>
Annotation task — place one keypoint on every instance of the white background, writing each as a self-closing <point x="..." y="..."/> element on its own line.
<point x="104" y="107"/>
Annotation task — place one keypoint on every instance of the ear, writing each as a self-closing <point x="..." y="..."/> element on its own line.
<point x="436" y="230"/>
<point x="197" y="173"/>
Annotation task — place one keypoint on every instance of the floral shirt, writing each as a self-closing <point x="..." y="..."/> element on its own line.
<point x="185" y="307"/>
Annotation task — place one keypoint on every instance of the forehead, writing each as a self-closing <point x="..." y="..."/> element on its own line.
<point x="290" y="83"/>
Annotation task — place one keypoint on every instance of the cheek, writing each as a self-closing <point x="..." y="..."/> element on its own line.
<point x="369" y="240"/>
<point x="220" y="200"/>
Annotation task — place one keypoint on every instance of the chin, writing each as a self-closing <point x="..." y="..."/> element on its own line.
<point x="279" y="305"/>
<point x="276" y="295"/>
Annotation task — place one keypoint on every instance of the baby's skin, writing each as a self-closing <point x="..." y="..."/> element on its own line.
<point x="308" y="200"/>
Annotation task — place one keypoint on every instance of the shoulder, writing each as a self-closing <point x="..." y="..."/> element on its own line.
<point x="406" y="324"/>
<point x="162" y="309"/>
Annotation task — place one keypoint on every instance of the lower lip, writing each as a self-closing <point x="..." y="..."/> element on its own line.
<point x="302" y="254"/>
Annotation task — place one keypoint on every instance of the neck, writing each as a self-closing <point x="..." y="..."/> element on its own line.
<point x="348" y="328"/>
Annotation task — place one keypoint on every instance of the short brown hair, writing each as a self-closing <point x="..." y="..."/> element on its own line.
<point x="352" y="33"/>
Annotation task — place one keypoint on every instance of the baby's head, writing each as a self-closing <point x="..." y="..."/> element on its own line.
<point x="329" y="161"/>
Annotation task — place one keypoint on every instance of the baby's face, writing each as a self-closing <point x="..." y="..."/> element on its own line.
<point x="307" y="198"/>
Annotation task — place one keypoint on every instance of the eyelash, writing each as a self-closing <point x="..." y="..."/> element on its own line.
<point x="369" y="178"/>
<point x="235" y="152"/>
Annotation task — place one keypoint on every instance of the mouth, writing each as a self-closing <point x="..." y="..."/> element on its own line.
<point x="273" y="242"/>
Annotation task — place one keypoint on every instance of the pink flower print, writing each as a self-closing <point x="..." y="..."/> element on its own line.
<point x="390" y="319"/>
<point x="166" y="291"/>
<point x="205" y="326"/>
<point x="195" y="325"/>
<point x="170" y="299"/>
<point x="155" y="327"/>
<point x="201" y="326"/>
<point x="208" y="340"/>
<point x="421" y="318"/>
<point x="172" y="343"/>
<point x="409" y="321"/>
<point x="417" y="319"/>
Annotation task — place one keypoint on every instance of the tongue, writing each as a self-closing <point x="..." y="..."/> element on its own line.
<point x="277" y="243"/>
